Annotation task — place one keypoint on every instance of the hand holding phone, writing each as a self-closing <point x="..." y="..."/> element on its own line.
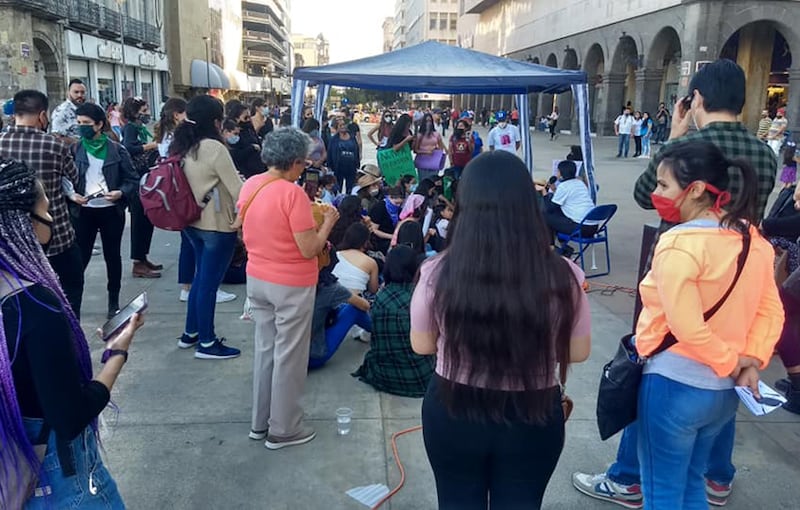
<point x="117" y="323"/>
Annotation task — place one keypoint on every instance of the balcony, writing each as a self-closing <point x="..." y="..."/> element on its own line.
<point x="264" y="57"/>
<point x="478" y="6"/>
<point x="258" y="37"/>
<point x="152" y="36"/>
<point x="46" y="9"/>
<point x="109" y="22"/>
<point x="133" y="30"/>
<point x="84" y="14"/>
<point x="264" y="18"/>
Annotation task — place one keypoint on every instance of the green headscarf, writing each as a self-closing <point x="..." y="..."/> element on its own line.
<point x="144" y="134"/>
<point x="97" y="147"/>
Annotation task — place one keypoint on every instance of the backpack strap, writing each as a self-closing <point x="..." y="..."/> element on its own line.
<point x="247" y="204"/>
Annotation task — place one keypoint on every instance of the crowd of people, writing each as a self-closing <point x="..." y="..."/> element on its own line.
<point x="448" y="271"/>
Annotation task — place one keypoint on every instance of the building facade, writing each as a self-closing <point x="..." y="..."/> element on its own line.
<point x="310" y="51"/>
<point x="116" y="49"/>
<point x="267" y="47"/>
<point x="642" y="52"/>
<point x="431" y="20"/>
<point x="388" y="34"/>
<point x="399" y="35"/>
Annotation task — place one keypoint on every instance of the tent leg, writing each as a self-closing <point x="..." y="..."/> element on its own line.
<point x="594" y="262"/>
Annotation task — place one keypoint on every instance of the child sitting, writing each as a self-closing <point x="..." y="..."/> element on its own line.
<point x="327" y="185"/>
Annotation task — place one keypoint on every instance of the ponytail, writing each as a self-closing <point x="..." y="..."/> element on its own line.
<point x="742" y="212"/>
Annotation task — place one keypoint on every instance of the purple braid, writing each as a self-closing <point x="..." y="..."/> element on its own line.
<point x="21" y="256"/>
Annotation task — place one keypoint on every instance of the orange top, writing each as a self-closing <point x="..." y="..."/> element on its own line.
<point x="693" y="266"/>
<point x="280" y="210"/>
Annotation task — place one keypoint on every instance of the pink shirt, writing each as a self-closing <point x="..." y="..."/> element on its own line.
<point x="423" y="319"/>
<point x="428" y="143"/>
<point x="280" y="210"/>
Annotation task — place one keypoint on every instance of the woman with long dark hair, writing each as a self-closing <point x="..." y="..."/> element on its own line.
<point x="349" y="212"/>
<point x="106" y="183"/>
<point x="383" y="130"/>
<point x="49" y="399"/>
<point x="246" y="152"/>
<point x="401" y="133"/>
<point x="502" y="312"/>
<point x="427" y="141"/>
<point x="172" y="114"/>
<point x="137" y="140"/>
<point x="213" y="178"/>
<point x="687" y="392"/>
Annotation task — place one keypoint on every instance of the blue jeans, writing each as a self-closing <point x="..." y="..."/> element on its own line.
<point x="186" y="262"/>
<point x="646" y="145"/>
<point x="213" y="252"/>
<point x="720" y="469"/>
<point x="72" y="492"/>
<point x="624" y="145"/>
<point x="679" y="425"/>
<point x="346" y="317"/>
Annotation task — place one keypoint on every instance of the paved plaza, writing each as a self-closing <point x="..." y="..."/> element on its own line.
<point x="181" y="442"/>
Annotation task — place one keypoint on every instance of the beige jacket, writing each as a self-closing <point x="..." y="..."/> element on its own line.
<point x="211" y="171"/>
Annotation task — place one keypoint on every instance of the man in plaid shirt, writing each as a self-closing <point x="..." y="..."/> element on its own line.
<point x="718" y="95"/>
<point x="29" y="142"/>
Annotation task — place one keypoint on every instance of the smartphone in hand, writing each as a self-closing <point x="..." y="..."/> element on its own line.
<point x="119" y="321"/>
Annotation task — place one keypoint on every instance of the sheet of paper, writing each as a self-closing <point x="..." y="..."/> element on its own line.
<point x="769" y="401"/>
<point x="369" y="495"/>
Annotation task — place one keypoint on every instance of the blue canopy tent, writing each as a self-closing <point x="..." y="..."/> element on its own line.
<point x="439" y="68"/>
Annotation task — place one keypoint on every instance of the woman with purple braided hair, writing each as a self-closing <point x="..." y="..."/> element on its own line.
<point x="49" y="402"/>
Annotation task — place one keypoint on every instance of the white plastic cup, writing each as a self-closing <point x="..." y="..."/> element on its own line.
<point x="343" y="417"/>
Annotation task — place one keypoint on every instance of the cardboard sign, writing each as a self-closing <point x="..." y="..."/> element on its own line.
<point x="394" y="165"/>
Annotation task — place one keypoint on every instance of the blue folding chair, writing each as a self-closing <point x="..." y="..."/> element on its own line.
<point x="599" y="216"/>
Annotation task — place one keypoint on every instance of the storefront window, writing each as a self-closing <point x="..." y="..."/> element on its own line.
<point x="147" y="94"/>
<point x="105" y="91"/>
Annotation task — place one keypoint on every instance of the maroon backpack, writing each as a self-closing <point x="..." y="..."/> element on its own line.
<point x="167" y="198"/>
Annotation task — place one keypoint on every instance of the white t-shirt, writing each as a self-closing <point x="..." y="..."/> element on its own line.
<point x="96" y="182"/>
<point x="504" y="138"/>
<point x="573" y="197"/>
<point x="625" y="124"/>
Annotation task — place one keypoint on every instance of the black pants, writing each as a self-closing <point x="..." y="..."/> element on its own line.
<point x="560" y="223"/>
<point x="110" y="222"/>
<point x="345" y="175"/>
<point x="69" y="268"/>
<point x="553" y="129"/>
<point x="141" y="231"/>
<point x="637" y="140"/>
<point x="475" y="464"/>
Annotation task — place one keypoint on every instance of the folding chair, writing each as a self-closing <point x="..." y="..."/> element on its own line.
<point x="599" y="216"/>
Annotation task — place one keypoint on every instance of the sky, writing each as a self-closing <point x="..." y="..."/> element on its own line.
<point x="353" y="27"/>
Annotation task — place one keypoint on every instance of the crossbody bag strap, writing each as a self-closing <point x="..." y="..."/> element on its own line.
<point x="247" y="204"/>
<point x="669" y="338"/>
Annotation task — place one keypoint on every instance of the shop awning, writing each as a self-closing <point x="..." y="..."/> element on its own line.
<point x="206" y="75"/>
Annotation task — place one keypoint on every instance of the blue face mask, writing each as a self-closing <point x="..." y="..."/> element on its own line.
<point x="265" y="112"/>
<point x="413" y="187"/>
<point x="232" y="140"/>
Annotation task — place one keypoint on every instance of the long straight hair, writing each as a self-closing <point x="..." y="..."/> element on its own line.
<point x="506" y="300"/>
<point x="703" y="161"/>
<point x="202" y="115"/>
<point x="22" y="257"/>
<point x="166" y="123"/>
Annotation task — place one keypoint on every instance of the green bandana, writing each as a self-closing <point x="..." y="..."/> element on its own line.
<point x="144" y="134"/>
<point x="97" y="147"/>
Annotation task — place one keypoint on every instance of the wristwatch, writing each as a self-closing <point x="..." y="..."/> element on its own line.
<point x="108" y="353"/>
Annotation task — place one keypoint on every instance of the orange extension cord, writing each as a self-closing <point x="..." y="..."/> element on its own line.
<point x="399" y="465"/>
<point x="587" y="287"/>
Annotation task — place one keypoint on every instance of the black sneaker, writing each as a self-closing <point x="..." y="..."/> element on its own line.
<point x="187" y="342"/>
<point x="216" y="350"/>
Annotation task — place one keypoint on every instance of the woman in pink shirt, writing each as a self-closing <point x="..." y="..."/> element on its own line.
<point x="426" y="142"/>
<point x="501" y="311"/>
<point x="282" y="243"/>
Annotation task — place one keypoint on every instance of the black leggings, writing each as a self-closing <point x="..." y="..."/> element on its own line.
<point x="509" y="464"/>
<point x="141" y="231"/>
<point x="110" y="222"/>
<point x="638" y="141"/>
<point x="560" y="223"/>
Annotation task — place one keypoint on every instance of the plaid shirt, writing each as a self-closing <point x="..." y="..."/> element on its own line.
<point x="390" y="365"/>
<point x="735" y="142"/>
<point x="52" y="161"/>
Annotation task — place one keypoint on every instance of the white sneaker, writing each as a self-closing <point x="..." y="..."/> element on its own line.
<point x="225" y="297"/>
<point x="222" y="296"/>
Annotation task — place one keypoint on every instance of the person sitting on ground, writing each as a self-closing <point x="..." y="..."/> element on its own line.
<point x="356" y="270"/>
<point x="442" y="214"/>
<point x="384" y="217"/>
<point x="391" y="365"/>
<point x="415" y="209"/>
<point x="349" y="212"/>
<point x="570" y="203"/>
<point x="327" y="186"/>
<point x="336" y="310"/>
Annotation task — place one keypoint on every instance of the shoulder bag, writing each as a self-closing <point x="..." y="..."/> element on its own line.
<point x="619" y="384"/>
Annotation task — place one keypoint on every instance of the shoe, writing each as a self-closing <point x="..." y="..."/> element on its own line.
<point x="258" y="436"/>
<point x="600" y="487"/>
<point x="113" y="304"/>
<point x="619" y="155"/>
<point x="154" y="267"/>
<point x="792" y="394"/>
<point x="95" y="252"/>
<point x="224" y="297"/>
<point x="717" y="494"/>
<point x="783" y="385"/>
<point x="304" y="436"/>
<point x="566" y="251"/>
<point x="186" y="341"/>
<point x="216" y="350"/>
<point x="184" y="296"/>
<point x="140" y="270"/>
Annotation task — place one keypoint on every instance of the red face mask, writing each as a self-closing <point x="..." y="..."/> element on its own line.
<point x="669" y="210"/>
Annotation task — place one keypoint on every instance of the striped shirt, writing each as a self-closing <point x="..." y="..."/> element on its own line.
<point x="51" y="160"/>
<point x="734" y="141"/>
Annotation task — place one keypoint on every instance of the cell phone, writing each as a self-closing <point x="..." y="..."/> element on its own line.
<point x="98" y="194"/>
<point x="686" y="102"/>
<point x="769" y="401"/>
<point x="119" y="321"/>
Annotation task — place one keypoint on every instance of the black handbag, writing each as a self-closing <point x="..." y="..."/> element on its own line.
<point x="619" y="384"/>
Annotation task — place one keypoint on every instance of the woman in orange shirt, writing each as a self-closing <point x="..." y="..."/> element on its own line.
<point x="687" y="394"/>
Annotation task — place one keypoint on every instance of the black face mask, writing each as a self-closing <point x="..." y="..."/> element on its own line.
<point x="245" y="124"/>
<point x="459" y="132"/>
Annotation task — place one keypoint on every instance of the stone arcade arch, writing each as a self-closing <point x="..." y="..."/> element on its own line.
<point x="48" y="69"/>
<point x="621" y="81"/>
<point x="547" y="101"/>
<point x="659" y="80"/>
<point x="565" y="102"/>
<point x="594" y="66"/>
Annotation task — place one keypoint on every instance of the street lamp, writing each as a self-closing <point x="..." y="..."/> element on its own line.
<point x="122" y="43"/>
<point x="207" y="40"/>
<point x="270" y="70"/>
